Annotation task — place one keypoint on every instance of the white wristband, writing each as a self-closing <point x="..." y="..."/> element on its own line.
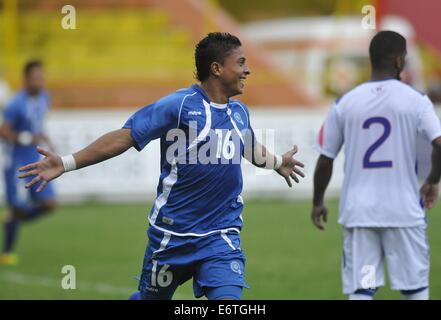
<point x="25" y="138"/>
<point x="278" y="163"/>
<point x="69" y="163"/>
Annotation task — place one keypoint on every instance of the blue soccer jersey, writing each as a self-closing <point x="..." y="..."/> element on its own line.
<point x="26" y="113"/>
<point x="202" y="144"/>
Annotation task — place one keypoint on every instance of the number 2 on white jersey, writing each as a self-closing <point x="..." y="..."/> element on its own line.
<point x="367" y="163"/>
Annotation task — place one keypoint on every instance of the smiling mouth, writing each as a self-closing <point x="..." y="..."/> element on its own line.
<point x="242" y="81"/>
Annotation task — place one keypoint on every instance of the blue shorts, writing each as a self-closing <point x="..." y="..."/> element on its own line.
<point x="212" y="261"/>
<point x="17" y="196"/>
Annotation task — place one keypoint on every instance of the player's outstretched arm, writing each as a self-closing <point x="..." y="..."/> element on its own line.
<point x="322" y="176"/>
<point x="285" y="165"/>
<point x="429" y="190"/>
<point x="52" y="166"/>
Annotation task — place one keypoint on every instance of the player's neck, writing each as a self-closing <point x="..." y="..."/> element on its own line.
<point x="214" y="92"/>
<point x="379" y="75"/>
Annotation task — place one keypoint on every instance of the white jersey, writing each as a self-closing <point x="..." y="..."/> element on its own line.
<point x="379" y="122"/>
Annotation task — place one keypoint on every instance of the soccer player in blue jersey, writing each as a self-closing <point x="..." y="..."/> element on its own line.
<point x="22" y="129"/>
<point x="196" y="218"/>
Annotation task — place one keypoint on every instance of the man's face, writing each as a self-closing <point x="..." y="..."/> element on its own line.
<point x="234" y="71"/>
<point x="34" y="81"/>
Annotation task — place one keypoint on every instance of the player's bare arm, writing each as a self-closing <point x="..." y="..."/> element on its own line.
<point x="288" y="168"/>
<point x="429" y="190"/>
<point x="107" y="146"/>
<point x="322" y="176"/>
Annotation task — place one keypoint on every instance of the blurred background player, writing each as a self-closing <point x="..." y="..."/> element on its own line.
<point x="196" y="219"/>
<point x="383" y="218"/>
<point x="21" y="130"/>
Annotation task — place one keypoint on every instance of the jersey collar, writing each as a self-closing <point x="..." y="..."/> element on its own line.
<point x="201" y="91"/>
<point x="385" y="79"/>
<point x="219" y="106"/>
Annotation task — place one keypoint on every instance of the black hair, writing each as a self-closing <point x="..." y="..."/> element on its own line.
<point x="30" y="65"/>
<point x="385" y="47"/>
<point x="215" y="47"/>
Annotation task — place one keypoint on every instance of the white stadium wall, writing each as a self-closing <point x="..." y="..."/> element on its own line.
<point x="133" y="176"/>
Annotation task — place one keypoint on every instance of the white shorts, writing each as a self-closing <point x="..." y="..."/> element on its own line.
<point x="406" y="251"/>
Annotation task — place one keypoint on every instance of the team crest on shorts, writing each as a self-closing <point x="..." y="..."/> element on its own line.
<point x="235" y="266"/>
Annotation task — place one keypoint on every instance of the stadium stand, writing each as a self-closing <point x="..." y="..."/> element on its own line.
<point x="125" y="54"/>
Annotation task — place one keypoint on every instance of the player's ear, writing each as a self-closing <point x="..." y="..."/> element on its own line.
<point x="216" y="69"/>
<point x="400" y="62"/>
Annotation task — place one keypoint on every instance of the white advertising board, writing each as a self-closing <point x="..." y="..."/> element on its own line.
<point x="133" y="176"/>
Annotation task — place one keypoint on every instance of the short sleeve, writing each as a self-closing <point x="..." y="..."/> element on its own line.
<point x="330" y="138"/>
<point x="429" y="125"/>
<point x="153" y="121"/>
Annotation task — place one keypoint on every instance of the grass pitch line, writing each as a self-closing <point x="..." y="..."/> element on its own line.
<point x="101" y="288"/>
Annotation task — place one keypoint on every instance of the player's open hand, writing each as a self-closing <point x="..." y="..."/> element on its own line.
<point x="44" y="170"/>
<point x="290" y="167"/>
<point x="429" y="194"/>
<point x="319" y="216"/>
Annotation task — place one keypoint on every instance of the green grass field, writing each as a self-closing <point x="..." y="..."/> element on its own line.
<point x="287" y="258"/>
